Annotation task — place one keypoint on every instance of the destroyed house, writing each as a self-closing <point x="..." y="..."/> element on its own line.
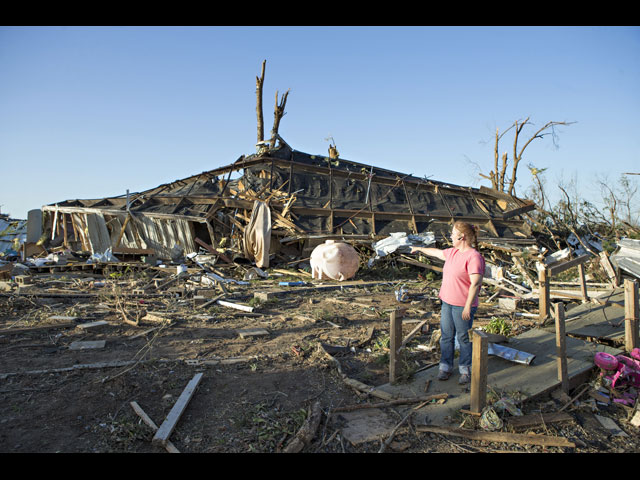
<point x="309" y="198"/>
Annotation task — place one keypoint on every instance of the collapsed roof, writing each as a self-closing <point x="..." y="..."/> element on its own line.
<point x="310" y="198"/>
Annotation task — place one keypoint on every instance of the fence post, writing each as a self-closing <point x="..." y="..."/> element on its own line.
<point x="479" y="368"/>
<point x="561" y="347"/>
<point x="630" y="314"/>
<point x="395" y="342"/>
<point x="543" y="292"/>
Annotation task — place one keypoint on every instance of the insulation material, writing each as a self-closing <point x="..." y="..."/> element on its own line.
<point x="99" y="239"/>
<point x="257" y="235"/>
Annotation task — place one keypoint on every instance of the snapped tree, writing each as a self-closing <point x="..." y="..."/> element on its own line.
<point x="278" y="110"/>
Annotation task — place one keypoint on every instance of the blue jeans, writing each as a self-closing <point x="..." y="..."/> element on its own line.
<point x="452" y="328"/>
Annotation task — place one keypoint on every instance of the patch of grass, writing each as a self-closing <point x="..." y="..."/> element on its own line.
<point x="322" y="315"/>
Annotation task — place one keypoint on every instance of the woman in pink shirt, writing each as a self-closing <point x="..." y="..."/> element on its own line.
<point x="461" y="279"/>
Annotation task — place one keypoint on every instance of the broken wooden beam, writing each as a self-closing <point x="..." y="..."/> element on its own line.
<point x="535" y="419"/>
<point x="170" y="447"/>
<point x="526" y="439"/>
<point x="161" y="436"/>
<point x="391" y="403"/>
<point x="559" y="267"/>
<point x="307" y="431"/>
<point x="212" y="250"/>
<point x="416" y="263"/>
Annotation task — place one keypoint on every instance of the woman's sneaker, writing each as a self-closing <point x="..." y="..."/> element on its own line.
<point x="442" y="375"/>
<point x="464" y="378"/>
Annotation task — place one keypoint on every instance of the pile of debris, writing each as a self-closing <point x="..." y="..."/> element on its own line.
<point x="282" y="204"/>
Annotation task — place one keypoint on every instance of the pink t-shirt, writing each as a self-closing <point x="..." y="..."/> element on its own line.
<point x="455" y="275"/>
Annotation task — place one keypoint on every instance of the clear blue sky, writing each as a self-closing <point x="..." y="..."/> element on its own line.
<point x="89" y="112"/>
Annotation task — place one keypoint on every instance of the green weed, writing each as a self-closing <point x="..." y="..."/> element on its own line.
<point x="499" y="326"/>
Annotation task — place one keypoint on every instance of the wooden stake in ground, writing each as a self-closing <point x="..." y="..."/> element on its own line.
<point x="630" y="314"/>
<point x="395" y="342"/>
<point x="543" y="292"/>
<point x="561" y="347"/>
<point x="162" y="435"/>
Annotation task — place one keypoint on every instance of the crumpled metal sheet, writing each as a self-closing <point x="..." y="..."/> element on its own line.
<point x="627" y="256"/>
<point x="510" y="354"/>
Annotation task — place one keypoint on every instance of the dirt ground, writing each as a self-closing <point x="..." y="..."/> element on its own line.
<point x="262" y="370"/>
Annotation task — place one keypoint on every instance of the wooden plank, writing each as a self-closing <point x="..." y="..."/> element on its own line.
<point x="237" y="306"/>
<point x="87" y="345"/>
<point x="479" y="370"/>
<point x="419" y="264"/>
<point x="554" y="269"/>
<point x="98" y="323"/>
<point x="162" y="434"/>
<point x="526" y="439"/>
<point x="252" y="332"/>
<point x="413" y="332"/>
<point x="630" y="314"/>
<point x="171" y="448"/>
<point x="518" y="211"/>
<point x="608" y="268"/>
<point x="212" y="250"/>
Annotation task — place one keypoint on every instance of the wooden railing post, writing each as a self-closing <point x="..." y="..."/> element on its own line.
<point x="479" y="369"/>
<point x="561" y="347"/>
<point x="543" y="292"/>
<point x="583" y="283"/>
<point x="395" y="342"/>
<point x="630" y="314"/>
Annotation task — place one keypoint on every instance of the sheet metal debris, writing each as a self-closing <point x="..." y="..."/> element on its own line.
<point x="510" y="354"/>
<point x="627" y="256"/>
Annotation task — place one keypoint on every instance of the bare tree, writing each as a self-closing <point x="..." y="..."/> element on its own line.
<point x="628" y="190"/>
<point x="259" y="84"/>
<point x="498" y="175"/>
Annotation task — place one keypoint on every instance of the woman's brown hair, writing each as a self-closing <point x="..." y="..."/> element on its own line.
<point x="469" y="231"/>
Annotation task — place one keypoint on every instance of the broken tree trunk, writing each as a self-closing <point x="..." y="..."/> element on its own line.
<point x="259" y="84"/>
<point x="278" y="114"/>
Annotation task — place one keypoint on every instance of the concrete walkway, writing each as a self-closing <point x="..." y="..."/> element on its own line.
<point x="504" y="377"/>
